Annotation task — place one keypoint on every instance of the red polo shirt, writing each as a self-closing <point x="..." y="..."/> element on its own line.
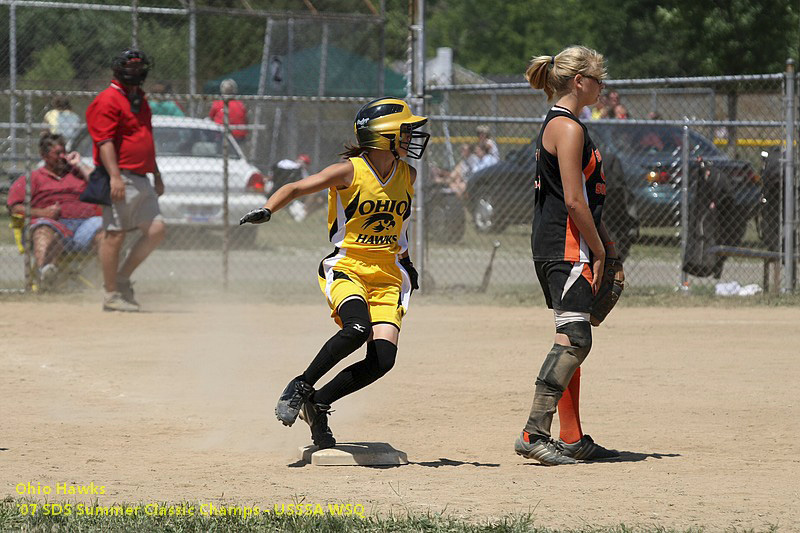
<point x="237" y="114"/>
<point x="47" y="190"/>
<point x="109" y="117"/>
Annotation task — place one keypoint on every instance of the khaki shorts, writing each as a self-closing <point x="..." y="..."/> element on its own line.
<point x="139" y="208"/>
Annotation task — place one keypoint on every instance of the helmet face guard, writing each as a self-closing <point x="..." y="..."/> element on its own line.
<point x="414" y="149"/>
<point x="131" y="67"/>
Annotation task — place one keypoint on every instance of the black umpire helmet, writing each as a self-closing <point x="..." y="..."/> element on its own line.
<point x="131" y="66"/>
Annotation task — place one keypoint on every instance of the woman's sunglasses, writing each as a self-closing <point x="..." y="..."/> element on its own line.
<point x="600" y="82"/>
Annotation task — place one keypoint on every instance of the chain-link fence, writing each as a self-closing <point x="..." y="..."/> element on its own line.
<point x="695" y="181"/>
<point x="294" y="75"/>
<point x="209" y="185"/>
<point x="728" y="224"/>
<point x="696" y="174"/>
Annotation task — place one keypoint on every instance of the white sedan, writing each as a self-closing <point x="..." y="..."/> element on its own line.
<point x="190" y="158"/>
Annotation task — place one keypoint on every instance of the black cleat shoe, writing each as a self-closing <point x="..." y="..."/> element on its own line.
<point x="291" y="400"/>
<point x="587" y="450"/>
<point x="316" y="416"/>
<point x="546" y="451"/>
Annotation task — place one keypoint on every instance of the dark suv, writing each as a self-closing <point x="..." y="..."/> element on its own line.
<point x="642" y="165"/>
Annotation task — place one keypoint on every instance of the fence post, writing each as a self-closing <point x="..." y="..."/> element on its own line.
<point x="12" y="78"/>
<point x="448" y="143"/>
<point x="225" y="208"/>
<point x="418" y="106"/>
<point x="789" y="187"/>
<point x="135" y="23"/>
<point x="262" y="87"/>
<point x="684" y="205"/>
<point x="27" y="236"/>
<point x="321" y="88"/>
<point x="193" y="57"/>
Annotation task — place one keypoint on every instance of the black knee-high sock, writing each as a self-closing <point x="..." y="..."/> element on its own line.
<point x="356" y="329"/>
<point x="380" y="359"/>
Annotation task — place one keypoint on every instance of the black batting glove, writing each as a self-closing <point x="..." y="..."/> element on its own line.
<point x="256" y="216"/>
<point x="412" y="272"/>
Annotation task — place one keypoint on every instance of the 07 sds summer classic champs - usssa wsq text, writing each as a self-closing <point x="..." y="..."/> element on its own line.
<point x="67" y="508"/>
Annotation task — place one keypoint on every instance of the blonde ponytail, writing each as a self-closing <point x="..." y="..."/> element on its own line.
<point x="553" y="73"/>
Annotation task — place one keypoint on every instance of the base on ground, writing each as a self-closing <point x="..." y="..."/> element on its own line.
<point x="354" y="454"/>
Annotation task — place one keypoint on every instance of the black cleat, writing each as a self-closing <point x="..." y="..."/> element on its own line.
<point x="546" y="451"/>
<point x="587" y="450"/>
<point x="291" y="400"/>
<point x="316" y="416"/>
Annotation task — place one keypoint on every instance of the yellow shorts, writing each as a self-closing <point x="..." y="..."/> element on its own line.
<point x="383" y="284"/>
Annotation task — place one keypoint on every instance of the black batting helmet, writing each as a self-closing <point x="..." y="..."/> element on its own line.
<point x="131" y="66"/>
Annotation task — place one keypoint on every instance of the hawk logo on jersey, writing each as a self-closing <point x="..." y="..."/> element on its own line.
<point x="379" y="222"/>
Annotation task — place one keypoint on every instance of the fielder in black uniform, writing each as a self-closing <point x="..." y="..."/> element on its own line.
<point x="570" y="246"/>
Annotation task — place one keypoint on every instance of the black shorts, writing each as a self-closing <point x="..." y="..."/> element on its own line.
<point x="567" y="286"/>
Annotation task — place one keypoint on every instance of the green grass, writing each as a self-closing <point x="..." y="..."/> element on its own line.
<point x="13" y="519"/>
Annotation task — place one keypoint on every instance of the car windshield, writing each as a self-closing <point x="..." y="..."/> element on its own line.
<point x="642" y="139"/>
<point x="175" y="141"/>
<point x="190" y="142"/>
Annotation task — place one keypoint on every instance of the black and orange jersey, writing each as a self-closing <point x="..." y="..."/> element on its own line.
<point x="370" y="217"/>
<point x="555" y="237"/>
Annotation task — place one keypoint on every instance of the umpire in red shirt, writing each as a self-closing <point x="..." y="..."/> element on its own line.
<point x="120" y="126"/>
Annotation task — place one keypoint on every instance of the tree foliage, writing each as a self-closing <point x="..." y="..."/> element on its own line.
<point x="51" y="63"/>
<point x="640" y="38"/>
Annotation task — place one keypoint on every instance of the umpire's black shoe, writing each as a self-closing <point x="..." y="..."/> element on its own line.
<point x="291" y="400"/>
<point x="316" y="416"/>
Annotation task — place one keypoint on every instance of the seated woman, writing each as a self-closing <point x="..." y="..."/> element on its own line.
<point x="59" y="220"/>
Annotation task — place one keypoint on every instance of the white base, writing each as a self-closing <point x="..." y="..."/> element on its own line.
<point x="354" y="454"/>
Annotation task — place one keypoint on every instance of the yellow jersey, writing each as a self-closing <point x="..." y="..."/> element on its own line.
<point x="371" y="216"/>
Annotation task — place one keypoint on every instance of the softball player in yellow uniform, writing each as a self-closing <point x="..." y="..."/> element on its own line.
<point x="368" y="278"/>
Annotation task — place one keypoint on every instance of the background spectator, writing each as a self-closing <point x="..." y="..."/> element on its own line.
<point x="237" y="112"/>
<point x="486" y="142"/>
<point x="457" y="178"/>
<point x="61" y="118"/>
<point x="620" y="112"/>
<point x="484" y="158"/>
<point x="613" y="100"/>
<point x="59" y="220"/>
<point x="601" y="108"/>
<point x="160" y="105"/>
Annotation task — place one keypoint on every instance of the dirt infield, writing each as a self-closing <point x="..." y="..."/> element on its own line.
<point x="176" y="405"/>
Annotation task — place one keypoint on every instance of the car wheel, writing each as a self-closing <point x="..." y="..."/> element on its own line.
<point x="485" y="215"/>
